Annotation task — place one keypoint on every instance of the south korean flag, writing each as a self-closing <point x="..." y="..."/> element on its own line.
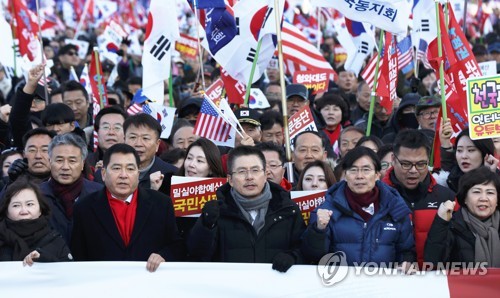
<point x="161" y="34"/>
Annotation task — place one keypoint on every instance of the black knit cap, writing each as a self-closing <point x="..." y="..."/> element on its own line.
<point x="57" y="113"/>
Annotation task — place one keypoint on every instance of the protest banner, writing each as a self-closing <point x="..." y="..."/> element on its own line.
<point x="301" y="121"/>
<point x="189" y="194"/>
<point x="308" y="200"/>
<point x="187" y="45"/>
<point x="483" y="107"/>
<point x="214" y="91"/>
<point x="488" y="68"/>
<point x="318" y="81"/>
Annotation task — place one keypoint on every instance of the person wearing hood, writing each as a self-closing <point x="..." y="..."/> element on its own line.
<point x="403" y="118"/>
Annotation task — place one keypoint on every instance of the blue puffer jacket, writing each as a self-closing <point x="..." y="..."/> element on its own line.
<point x="386" y="237"/>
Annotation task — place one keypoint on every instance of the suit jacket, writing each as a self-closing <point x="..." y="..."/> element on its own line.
<point x="96" y="237"/>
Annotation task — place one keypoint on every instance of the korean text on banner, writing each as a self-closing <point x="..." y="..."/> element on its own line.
<point x="301" y="121"/>
<point x="189" y="194"/>
<point x="318" y="81"/>
<point x="483" y="96"/>
<point x="308" y="201"/>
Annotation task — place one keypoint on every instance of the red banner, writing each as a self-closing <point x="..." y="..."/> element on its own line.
<point x="301" y="121"/>
<point x="187" y="45"/>
<point x="215" y="90"/>
<point x="308" y="201"/>
<point x="189" y="194"/>
<point x="26" y="27"/>
<point x="318" y="81"/>
<point x="97" y="81"/>
<point x="235" y="90"/>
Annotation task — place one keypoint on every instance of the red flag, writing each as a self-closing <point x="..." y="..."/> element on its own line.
<point x="235" y="90"/>
<point x="97" y="81"/>
<point x="26" y="30"/>
<point x="388" y="71"/>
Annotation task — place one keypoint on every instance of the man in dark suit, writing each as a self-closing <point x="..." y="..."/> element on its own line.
<point x="124" y="222"/>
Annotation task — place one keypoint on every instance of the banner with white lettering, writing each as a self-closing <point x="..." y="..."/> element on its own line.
<point x="189" y="194"/>
<point x="391" y="15"/>
<point x="308" y="200"/>
<point x="317" y="81"/>
<point x="301" y="121"/>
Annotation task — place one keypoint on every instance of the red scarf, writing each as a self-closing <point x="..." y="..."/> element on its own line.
<point x="333" y="135"/>
<point x="359" y="201"/>
<point x="67" y="194"/>
<point x="124" y="214"/>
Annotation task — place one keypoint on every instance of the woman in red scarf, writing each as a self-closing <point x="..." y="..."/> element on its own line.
<point x="335" y="111"/>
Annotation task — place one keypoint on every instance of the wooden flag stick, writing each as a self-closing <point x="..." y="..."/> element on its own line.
<point x="283" y="94"/>
<point x="200" y="53"/>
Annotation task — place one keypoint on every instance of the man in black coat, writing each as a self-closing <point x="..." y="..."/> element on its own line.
<point x="252" y="220"/>
<point x="124" y="222"/>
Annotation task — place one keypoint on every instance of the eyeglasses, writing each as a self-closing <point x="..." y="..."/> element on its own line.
<point x="355" y="171"/>
<point x="385" y="165"/>
<point x="428" y="114"/>
<point x="243" y="173"/>
<point x="71" y="53"/>
<point x="33" y="150"/>
<point x="107" y="127"/>
<point x="406" y="165"/>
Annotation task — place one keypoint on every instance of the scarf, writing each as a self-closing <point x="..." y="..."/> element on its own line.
<point x="363" y="204"/>
<point x="22" y="235"/>
<point x="333" y="136"/>
<point x="67" y="194"/>
<point x="259" y="204"/>
<point x="487" y="246"/>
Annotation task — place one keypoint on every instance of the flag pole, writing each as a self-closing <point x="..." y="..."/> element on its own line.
<point x="441" y="64"/>
<point x="200" y="54"/>
<point x="41" y="51"/>
<point x="82" y="18"/>
<point x="171" y="89"/>
<point x="464" y="26"/>
<point x="252" y="72"/>
<point x="14" y="38"/>
<point x="100" y="86"/>
<point x="283" y="94"/>
<point x="375" y="81"/>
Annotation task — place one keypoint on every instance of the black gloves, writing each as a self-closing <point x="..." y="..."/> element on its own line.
<point x="283" y="261"/>
<point x="17" y="168"/>
<point x="210" y="213"/>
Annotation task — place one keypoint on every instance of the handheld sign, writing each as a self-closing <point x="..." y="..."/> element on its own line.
<point x="483" y="104"/>
<point x="189" y="194"/>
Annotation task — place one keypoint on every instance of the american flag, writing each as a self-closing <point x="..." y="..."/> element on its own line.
<point x="210" y="124"/>
<point x="299" y="54"/>
<point x="368" y="73"/>
<point x="405" y="52"/>
<point x="422" y="53"/>
<point x="134" y="109"/>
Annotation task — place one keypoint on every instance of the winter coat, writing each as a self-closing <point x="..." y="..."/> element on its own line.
<point x="386" y="237"/>
<point x="233" y="239"/>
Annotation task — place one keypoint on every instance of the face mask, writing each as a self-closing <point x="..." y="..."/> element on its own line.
<point x="409" y="120"/>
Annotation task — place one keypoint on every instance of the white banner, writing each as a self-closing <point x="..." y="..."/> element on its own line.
<point x="391" y="15"/>
<point x="130" y="279"/>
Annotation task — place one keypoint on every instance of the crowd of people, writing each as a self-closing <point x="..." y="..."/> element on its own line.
<point x="63" y="200"/>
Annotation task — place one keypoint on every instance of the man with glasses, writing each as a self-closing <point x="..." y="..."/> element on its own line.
<point x="427" y="111"/>
<point x="35" y="164"/>
<point x="252" y="220"/>
<point x="109" y="127"/>
<point x="411" y="177"/>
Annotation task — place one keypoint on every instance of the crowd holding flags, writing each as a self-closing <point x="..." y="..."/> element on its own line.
<point x="241" y="37"/>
